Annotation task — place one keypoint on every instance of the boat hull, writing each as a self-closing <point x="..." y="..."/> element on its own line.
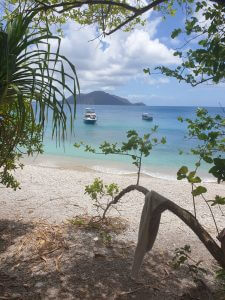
<point x="147" y="118"/>
<point x="89" y="121"/>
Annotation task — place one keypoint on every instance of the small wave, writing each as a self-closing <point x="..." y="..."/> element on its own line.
<point x="112" y="170"/>
<point x="128" y="172"/>
<point x="174" y="178"/>
<point x="157" y="175"/>
<point x="208" y="180"/>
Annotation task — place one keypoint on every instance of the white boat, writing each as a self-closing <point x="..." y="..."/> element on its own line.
<point x="90" y="116"/>
<point x="147" y="117"/>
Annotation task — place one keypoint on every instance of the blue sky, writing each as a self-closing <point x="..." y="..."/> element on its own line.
<point x="175" y="93"/>
<point x="116" y="64"/>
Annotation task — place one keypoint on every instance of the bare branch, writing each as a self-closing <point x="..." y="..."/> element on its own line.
<point x="186" y="217"/>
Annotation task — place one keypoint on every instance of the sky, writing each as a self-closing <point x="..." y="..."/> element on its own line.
<point x="115" y="64"/>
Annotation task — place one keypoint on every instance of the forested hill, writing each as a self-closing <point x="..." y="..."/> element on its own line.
<point x="101" y="98"/>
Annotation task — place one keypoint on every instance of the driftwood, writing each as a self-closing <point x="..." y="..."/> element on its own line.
<point x="217" y="252"/>
<point x="221" y="238"/>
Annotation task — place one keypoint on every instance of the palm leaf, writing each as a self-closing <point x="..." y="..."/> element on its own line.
<point x="31" y="72"/>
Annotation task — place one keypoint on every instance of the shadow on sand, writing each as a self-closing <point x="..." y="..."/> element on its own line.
<point x="78" y="267"/>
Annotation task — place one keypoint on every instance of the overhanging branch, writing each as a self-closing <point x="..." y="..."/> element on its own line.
<point x="68" y="5"/>
<point x="76" y="4"/>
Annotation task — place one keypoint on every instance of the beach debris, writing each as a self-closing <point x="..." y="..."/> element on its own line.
<point x="115" y="225"/>
<point x="46" y="242"/>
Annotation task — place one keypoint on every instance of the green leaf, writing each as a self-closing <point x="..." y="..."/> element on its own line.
<point x="194" y="179"/>
<point x="180" y="177"/>
<point x="203" y="136"/>
<point x="208" y="159"/>
<point x="175" y="33"/>
<point x="219" y="200"/>
<point x="218" y="170"/>
<point x="147" y="71"/>
<point x="163" y="140"/>
<point x="199" y="190"/>
<point x="183" y="170"/>
<point x="77" y="145"/>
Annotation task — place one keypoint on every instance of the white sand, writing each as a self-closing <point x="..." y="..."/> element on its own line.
<point x="57" y="194"/>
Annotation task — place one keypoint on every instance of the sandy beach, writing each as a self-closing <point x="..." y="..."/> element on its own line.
<point x="55" y="194"/>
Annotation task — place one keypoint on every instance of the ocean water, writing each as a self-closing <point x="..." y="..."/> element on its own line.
<point x="112" y="125"/>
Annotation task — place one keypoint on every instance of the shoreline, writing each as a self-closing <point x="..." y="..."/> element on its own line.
<point x="95" y="165"/>
<point x="56" y="195"/>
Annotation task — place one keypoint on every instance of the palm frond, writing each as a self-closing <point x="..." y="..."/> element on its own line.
<point x="31" y="72"/>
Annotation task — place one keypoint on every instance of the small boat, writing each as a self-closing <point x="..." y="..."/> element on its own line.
<point x="147" y="117"/>
<point x="90" y="116"/>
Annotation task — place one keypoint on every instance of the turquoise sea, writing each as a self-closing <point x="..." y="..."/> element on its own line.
<point x="112" y="125"/>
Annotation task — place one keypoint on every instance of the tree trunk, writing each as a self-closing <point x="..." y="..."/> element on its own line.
<point x="221" y="238"/>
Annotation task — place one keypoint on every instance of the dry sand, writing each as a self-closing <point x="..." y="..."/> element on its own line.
<point x="54" y="195"/>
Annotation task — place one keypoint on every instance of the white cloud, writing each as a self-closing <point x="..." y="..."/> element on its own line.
<point x="123" y="59"/>
<point x="136" y="97"/>
<point x="173" y="42"/>
<point x="199" y="14"/>
<point x="156" y="81"/>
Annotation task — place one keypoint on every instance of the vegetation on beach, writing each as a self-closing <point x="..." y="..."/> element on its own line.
<point x="210" y="132"/>
<point x="16" y="140"/>
<point x="97" y="190"/>
<point x="137" y="147"/>
<point x="33" y="80"/>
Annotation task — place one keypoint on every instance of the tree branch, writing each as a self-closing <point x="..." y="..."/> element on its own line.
<point x="66" y="6"/>
<point x="76" y="4"/>
<point x="186" y="217"/>
<point x="138" y="13"/>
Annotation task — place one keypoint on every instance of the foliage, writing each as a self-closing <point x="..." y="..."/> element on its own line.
<point x="105" y="228"/>
<point x="203" y="62"/>
<point x="110" y="224"/>
<point x="30" y="71"/>
<point x="108" y="16"/>
<point x="218" y="170"/>
<point x="220" y="274"/>
<point x="182" y="257"/>
<point x="206" y="61"/>
<point x="16" y="142"/>
<point x="32" y="82"/>
<point x="97" y="190"/>
<point x="210" y="132"/>
<point x="136" y="147"/>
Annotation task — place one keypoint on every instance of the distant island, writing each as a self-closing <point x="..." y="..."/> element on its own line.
<point x="102" y="98"/>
